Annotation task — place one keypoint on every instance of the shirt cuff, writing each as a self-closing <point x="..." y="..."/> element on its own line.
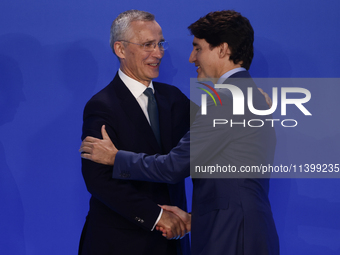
<point x="159" y="217"/>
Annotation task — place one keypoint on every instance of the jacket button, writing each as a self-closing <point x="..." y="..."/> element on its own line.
<point x="139" y="220"/>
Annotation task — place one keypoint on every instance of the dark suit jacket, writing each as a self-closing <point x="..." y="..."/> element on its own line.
<point x="229" y="215"/>
<point x="122" y="213"/>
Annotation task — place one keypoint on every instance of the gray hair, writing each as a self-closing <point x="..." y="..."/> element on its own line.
<point x="121" y="24"/>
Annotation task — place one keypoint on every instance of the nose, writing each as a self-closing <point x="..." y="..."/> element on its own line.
<point x="192" y="57"/>
<point x="157" y="52"/>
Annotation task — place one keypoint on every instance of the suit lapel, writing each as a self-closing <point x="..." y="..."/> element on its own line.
<point x="164" y="110"/>
<point x="135" y="114"/>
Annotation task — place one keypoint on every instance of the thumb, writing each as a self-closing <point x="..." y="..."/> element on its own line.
<point x="167" y="207"/>
<point x="104" y="133"/>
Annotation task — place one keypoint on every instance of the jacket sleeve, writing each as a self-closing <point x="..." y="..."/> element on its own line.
<point x="170" y="168"/>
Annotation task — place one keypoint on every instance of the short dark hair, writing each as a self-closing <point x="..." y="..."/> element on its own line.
<point x="230" y="27"/>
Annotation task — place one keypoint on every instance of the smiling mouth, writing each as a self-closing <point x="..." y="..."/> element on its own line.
<point x="154" y="65"/>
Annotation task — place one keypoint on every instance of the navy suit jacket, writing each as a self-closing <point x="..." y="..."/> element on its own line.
<point x="123" y="212"/>
<point x="229" y="215"/>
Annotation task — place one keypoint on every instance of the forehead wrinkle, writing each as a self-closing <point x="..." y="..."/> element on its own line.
<point x="153" y="40"/>
<point x="142" y="38"/>
<point x="135" y="29"/>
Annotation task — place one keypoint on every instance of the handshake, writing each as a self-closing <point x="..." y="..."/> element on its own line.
<point x="174" y="222"/>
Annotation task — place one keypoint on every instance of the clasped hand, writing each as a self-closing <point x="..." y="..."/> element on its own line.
<point x="174" y="223"/>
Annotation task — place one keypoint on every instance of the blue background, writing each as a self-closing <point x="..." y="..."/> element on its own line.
<point x="54" y="55"/>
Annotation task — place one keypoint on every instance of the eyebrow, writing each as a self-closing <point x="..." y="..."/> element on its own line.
<point x="151" y="41"/>
<point x="195" y="44"/>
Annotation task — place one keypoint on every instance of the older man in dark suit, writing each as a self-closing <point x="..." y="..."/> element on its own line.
<point x="141" y="116"/>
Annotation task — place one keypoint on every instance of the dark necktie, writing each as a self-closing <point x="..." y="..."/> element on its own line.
<point x="153" y="114"/>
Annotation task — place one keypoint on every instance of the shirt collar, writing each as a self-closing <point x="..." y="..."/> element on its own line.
<point x="230" y="73"/>
<point x="135" y="87"/>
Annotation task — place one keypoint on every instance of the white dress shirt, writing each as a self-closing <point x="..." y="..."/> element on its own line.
<point x="137" y="89"/>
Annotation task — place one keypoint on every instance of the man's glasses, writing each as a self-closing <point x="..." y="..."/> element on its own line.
<point x="150" y="46"/>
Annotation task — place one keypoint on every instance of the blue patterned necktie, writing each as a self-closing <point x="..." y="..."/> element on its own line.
<point x="153" y="114"/>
